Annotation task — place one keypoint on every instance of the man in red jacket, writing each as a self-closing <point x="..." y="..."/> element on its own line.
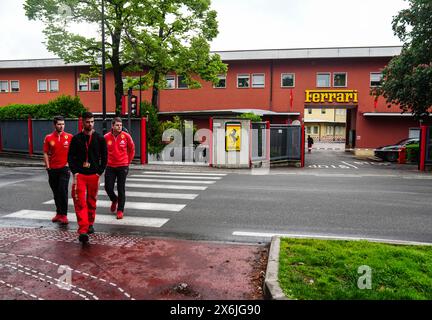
<point x="87" y="160"/>
<point x="121" y="151"/>
<point x="55" y="151"/>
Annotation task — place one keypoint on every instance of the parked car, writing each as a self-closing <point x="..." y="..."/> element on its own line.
<point x="391" y="152"/>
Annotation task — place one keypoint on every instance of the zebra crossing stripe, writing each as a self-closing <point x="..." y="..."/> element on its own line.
<point x="136" y="205"/>
<point x="162" y="186"/>
<point x="172" y="177"/>
<point x="169" y="181"/>
<point x="100" y="218"/>
<point x="185" y="173"/>
<point x="159" y="195"/>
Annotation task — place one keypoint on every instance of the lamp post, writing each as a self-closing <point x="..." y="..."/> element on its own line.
<point x="104" y="125"/>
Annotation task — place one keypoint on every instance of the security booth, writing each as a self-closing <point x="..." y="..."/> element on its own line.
<point x="231" y="143"/>
<point x="287" y="143"/>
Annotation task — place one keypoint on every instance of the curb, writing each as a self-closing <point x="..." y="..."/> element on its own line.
<point x="20" y="164"/>
<point x="271" y="289"/>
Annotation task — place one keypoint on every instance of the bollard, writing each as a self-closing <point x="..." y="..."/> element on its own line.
<point x="402" y="155"/>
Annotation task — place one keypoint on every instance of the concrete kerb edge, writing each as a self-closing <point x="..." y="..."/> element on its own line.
<point x="272" y="289"/>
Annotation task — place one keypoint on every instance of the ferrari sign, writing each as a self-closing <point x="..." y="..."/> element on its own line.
<point x="330" y="96"/>
<point x="232" y="136"/>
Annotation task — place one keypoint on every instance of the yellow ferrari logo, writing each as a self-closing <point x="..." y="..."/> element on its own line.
<point x="122" y="136"/>
<point x="109" y="142"/>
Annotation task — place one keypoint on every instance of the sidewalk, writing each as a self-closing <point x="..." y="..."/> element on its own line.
<point x="53" y="265"/>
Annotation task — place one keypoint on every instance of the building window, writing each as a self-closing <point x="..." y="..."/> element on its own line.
<point x="339" y="79"/>
<point x="170" y="82"/>
<point x="4" y="86"/>
<point x="94" y="84"/>
<point x="42" y="85"/>
<point x="340" y="130"/>
<point x="310" y="111"/>
<point x="329" y="130"/>
<point x="287" y="80"/>
<point x="53" y="85"/>
<point x="83" y="85"/>
<point x="15" y="86"/>
<point x="375" y="79"/>
<point x="243" y="81"/>
<point x="323" y="111"/>
<point x="181" y="82"/>
<point x="258" y="80"/>
<point x="323" y="80"/>
<point x="315" y="129"/>
<point x="308" y="130"/>
<point x="221" y="83"/>
<point x="340" y="112"/>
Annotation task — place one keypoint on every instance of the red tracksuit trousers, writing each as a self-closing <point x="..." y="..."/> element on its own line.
<point x="84" y="195"/>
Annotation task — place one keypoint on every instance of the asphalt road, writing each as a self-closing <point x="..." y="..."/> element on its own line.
<point x="335" y="195"/>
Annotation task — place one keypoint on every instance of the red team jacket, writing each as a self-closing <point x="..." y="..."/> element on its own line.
<point x="57" y="148"/>
<point x="121" y="149"/>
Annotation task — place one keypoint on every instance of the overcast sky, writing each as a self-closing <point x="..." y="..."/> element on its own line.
<point x="247" y="24"/>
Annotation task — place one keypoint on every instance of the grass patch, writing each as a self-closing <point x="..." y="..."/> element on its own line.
<point x="328" y="270"/>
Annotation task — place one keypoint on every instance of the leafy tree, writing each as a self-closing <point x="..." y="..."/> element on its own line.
<point x="57" y="16"/>
<point x="407" y="79"/>
<point x="173" y="36"/>
<point x="250" y="116"/>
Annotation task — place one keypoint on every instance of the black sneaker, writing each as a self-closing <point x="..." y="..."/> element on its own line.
<point x="90" y="230"/>
<point x="83" y="237"/>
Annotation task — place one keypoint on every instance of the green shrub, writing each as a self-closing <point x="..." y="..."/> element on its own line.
<point x="250" y="116"/>
<point x="67" y="106"/>
<point x="154" y="128"/>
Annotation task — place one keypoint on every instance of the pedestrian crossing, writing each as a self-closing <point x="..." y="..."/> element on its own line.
<point x="145" y="208"/>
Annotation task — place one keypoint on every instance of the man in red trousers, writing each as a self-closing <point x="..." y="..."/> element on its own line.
<point x="87" y="161"/>
<point x="121" y="151"/>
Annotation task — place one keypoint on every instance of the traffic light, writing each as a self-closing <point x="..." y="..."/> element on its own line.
<point x="134" y="105"/>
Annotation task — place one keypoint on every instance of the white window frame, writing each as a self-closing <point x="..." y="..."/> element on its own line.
<point x="259" y="86"/>
<point x="90" y="84"/>
<point x="329" y="78"/>
<point x="46" y="85"/>
<point x="10" y="86"/>
<point x="346" y="79"/>
<point x="49" y="86"/>
<point x="244" y="75"/>
<point x="221" y="77"/>
<point x="329" y="130"/>
<point x="7" y="86"/>
<point x="317" y="130"/>
<point x="308" y="130"/>
<point x="287" y="73"/>
<point x="82" y="82"/>
<point x="178" y="83"/>
<point x="170" y="77"/>
<point x="370" y="79"/>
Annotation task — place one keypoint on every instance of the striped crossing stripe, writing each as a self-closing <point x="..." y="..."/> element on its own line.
<point x="100" y="218"/>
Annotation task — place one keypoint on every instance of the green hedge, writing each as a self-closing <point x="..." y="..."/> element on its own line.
<point x="67" y="106"/>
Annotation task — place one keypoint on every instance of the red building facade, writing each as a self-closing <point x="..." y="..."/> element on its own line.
<point x="277" y="84"/>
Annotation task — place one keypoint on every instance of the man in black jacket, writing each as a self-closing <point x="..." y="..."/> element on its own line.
<point x="87" y="161"/>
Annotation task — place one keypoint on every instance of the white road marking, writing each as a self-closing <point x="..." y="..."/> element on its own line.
<point x="172" y="177"/>
<point x="184" y="173"/>
<point x="295" y="235"/>
<point x="349" y="164"/>
<point x="170" y="181"/>
<point x="100" y="218"/>
<point x="159" y="195"/>
<point x="135" y="205"/>
<point x="162" y="186"/>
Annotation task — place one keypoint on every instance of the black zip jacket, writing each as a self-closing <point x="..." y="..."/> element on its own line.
<point x="97" y="154"/>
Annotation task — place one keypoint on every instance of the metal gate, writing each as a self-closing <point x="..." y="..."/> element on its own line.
<point x="259" y="141"/>
<point x="285" y="142"/>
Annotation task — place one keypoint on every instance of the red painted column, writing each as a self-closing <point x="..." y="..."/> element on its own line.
<point x="210" y="143"/>
<point x="302" y="146"/>
<point x="80" y="124"/>
<point x="423" y="131"/>
<point x="268" y="140"/>
<point x="143" y="141"/>
<point x="30" y="135"/>
<point x="250" y="144"/>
